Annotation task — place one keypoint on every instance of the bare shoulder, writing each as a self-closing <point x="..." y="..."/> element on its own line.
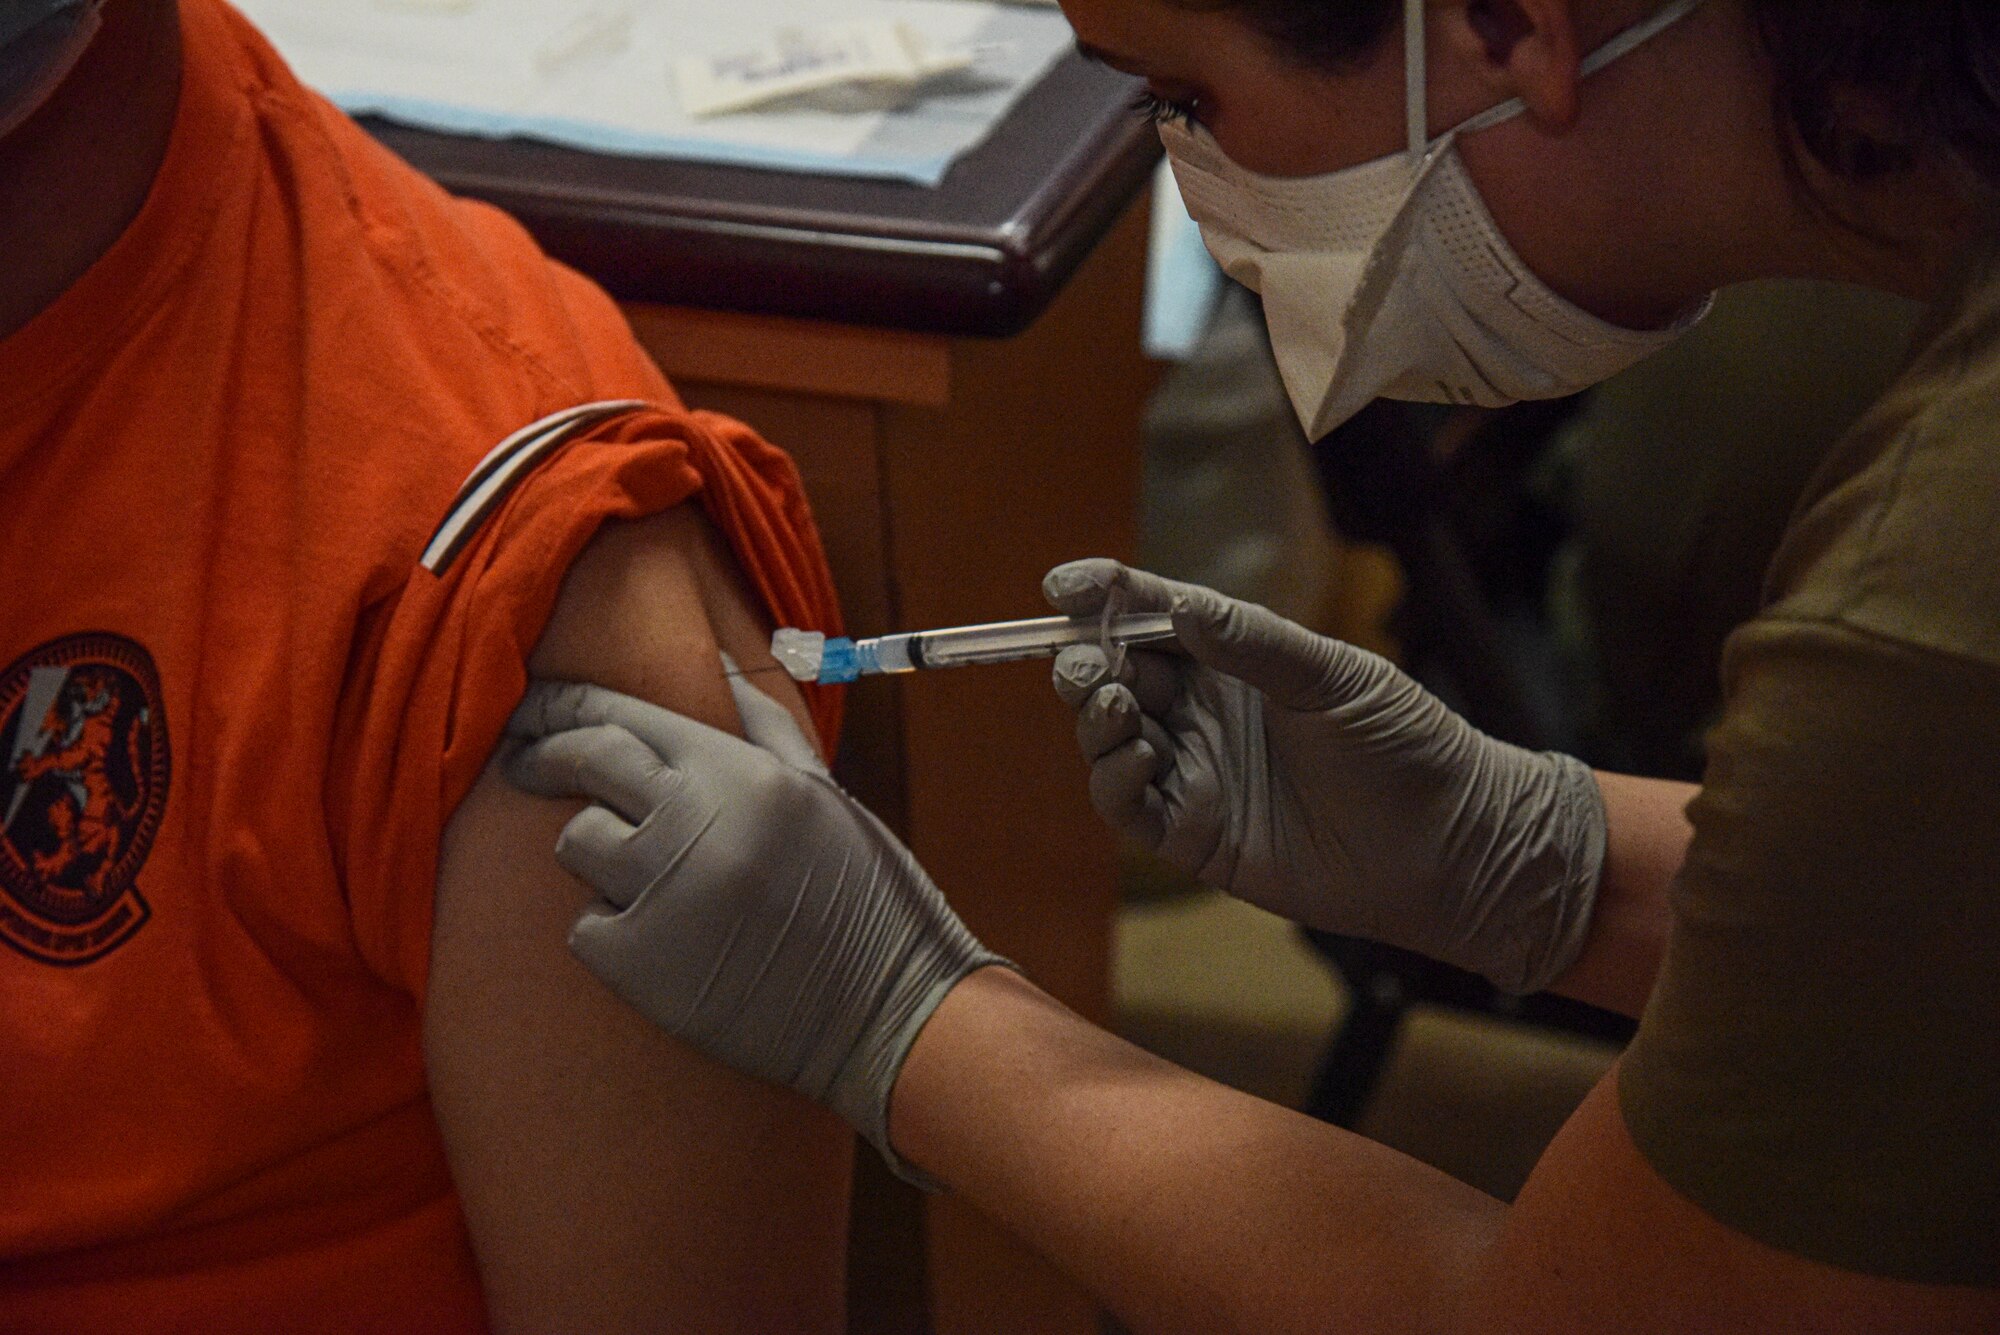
<point x="613" y="1179"/>
<point x="1598" y="1241"/>
<point x="645" y="609"/>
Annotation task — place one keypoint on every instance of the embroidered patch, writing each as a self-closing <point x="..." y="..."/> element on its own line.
<point x="83" y="786"/>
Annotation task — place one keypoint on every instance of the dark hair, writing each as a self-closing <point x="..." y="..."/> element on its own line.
<point x="1872" y="87"/>
<point x="1868" y="87"/>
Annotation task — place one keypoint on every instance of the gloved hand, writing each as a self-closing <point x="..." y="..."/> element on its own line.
<point x="1316" y="780"/>
<point x="751" y="907"/>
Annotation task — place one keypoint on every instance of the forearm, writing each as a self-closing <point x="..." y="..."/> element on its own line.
<point x="1646" y="839"/>
<point x="1183" y="1204"/>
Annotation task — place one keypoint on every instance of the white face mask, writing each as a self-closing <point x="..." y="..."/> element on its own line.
<point x="40" y="43"/>
<point x="1391" y="280"/>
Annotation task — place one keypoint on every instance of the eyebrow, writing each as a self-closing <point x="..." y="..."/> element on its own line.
<point x="1097" y="55"/>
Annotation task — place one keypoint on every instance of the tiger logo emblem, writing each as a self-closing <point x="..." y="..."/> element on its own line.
<point x="83" y="786"/>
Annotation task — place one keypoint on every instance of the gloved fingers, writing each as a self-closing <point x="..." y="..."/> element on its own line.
<point x="592" y="848"/>
<point x="559" y="706"/>
<point x="1154" y="676"/>
<point x="604" y="943"/>
<point x="1079" y="671"/>
<point x="1121" y="789"/>
<point x="1156" y="679"/>
<point x="1192" y="807"/>
<point x="604" y="763"/>
<point x="1295" y="667"/>
<point x="768" y="724"/>
<point x="1080" y="588"/>
<point x="594" y="940"/>
<point x="1155" y="735"/>
<point x="1109" y="719"/>
<point x="555" y="706"/>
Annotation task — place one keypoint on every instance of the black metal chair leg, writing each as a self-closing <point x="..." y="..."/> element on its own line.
<point x="1354" y="1057"/>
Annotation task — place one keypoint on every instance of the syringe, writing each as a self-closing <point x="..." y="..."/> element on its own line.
<point x="811" y="656"/>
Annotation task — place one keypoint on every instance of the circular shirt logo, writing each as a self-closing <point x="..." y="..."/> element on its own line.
<point x="83" y="784"/>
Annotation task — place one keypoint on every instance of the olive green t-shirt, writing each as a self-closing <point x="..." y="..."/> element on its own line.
<point x="1819" y="1066"/>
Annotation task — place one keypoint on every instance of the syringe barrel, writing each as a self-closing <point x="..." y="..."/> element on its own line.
<point x="884" y="653"/>
<point x="1041" y="637"/>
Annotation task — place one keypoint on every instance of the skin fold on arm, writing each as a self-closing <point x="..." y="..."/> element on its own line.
<point x="612" y="1179"/>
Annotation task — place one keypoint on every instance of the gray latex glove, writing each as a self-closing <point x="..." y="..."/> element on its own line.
<point x="750" y="906"/>
<point x="1318" y="781"/>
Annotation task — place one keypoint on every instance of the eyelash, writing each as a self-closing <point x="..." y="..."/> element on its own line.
<point x="1165" y="110"/>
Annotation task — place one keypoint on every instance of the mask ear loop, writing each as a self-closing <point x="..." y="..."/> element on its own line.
<point x="1416" y="80"/>
<point x="1620" y="45"/>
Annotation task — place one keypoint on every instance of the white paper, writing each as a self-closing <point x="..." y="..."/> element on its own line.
<point x="486" y="70"/>
<point x="794" y="61"/>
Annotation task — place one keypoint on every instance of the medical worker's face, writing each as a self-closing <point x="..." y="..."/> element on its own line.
<point x="1268" y="113"/>
<point x="1590" y="187"/>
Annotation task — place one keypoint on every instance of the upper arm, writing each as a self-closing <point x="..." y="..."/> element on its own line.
<point x="1801" y="1136"/>
<point x="612" y="1178"/>
<point x="1598" y="1241"/>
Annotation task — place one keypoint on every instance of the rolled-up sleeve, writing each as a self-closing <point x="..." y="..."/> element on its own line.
<point x="1819" y="1067"/>
<point x="446" y="658"/>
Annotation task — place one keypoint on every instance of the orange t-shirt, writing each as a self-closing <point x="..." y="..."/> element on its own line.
<point x="237" y="705"/>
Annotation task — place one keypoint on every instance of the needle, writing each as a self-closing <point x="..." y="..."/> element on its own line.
<point x="755" y="671"/>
